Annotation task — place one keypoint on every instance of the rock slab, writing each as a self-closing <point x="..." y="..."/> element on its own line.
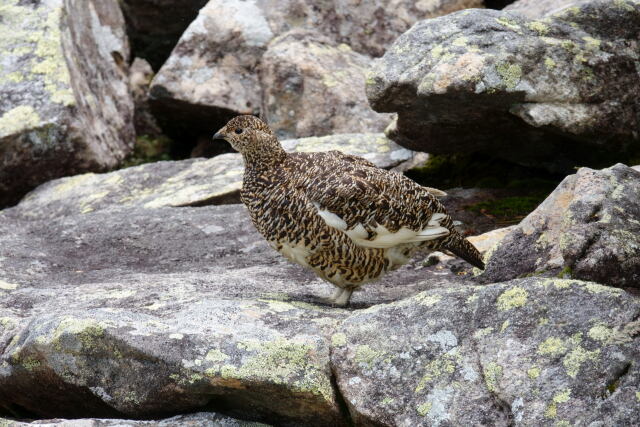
<point x="517" y="353"/>
<point x="212" y="74"/>
<point x="312" y="87"/>
<point x="587" y="229"/>
<point x="554" y="92"/>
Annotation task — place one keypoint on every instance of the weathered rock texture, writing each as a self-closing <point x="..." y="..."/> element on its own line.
<point x="539" y="8"/>
<point x="587" y="228"/>
<point x="117" y="308"/>
<point x="140" y="310"/>
<point x="155" y="26"/>
<point x="211" y="74"/>
<point x="527" y="352"/>
<point x="556" y="92"/>
<point x="194" y="420"/>
<point x="140" y="75"/>
<point x="65" y="105"/>
<point x="313" y="87"/>
<point x="196" y="182"/>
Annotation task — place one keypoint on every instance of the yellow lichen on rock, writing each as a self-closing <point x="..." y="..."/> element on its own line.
<point x="552" y="346"/>
<point x="512" y="298"/>
<point x="18" y="119"/>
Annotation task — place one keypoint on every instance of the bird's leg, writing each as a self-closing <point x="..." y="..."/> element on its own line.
<point x="344" y="297"/>
<point x="336" y="295"/>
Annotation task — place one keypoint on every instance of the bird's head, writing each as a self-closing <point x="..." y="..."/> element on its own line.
<point x="247" y="134"/>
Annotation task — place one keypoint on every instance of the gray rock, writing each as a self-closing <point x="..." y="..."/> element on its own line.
<point x="65" y="105"/>
<point x="555" y="93"/>
<point x="211" y="74"/>
<point x="586" y="229"/>
<point x="193" y="420"/>
<point x="140" y="76"/>
<point x="313" y="87"/>
<point x="194" y="182"/>
<point x="131" y="309"/>
<point x="539" y="8"/>
<point x="153" y="30"/>
<point x="527" y="352"/>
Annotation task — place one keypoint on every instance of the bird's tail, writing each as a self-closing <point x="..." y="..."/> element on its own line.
<point x="462" y="248"/>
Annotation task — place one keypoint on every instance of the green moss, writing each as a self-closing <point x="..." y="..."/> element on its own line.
<point x="511" y="74"/>
<point x="601" y="333"/>
<point x="509" y="208"/>
<point x="31" y="364"/>
<point x="512" y="298"/>
<point x="424" y="298"/>
<point x="539" y="27"/>
<point x="445" y="364"/>
<point x="149" y="149"/>
<point x="550" y="63"/>
<point x="565" y="273"/>
<point x="215" y="355"/>
<point x="86" y="331"/>
<point x="505" y="325"/>
<point x="562" y="397"/>
<point x="387" y="401"/>
<point x="509" y="23"/>
<point x="592" y="43"/>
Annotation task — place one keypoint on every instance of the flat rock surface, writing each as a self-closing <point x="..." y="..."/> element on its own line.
<point x="516" y="353"/>
<point x="193" y="182"/>
<point x="130" y="310"/>
<point x="187" y="307"/>
<point x="547" y="93"/>
<point x="540" y="8"/>
<point x="587" y="228"/>
<point x="193" y="420"/>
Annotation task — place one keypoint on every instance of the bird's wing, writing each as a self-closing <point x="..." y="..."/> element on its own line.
<point x="374" y="207"/>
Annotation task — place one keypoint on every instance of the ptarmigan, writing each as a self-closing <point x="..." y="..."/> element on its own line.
<point x="339" y="215"/>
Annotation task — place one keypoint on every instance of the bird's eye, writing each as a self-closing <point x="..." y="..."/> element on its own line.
<point x="238" y="131"/>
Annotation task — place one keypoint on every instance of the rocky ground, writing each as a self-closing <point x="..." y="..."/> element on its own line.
<point x="142" y="295"/>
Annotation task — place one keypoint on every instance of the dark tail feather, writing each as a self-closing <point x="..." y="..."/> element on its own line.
<point x="462" y="248"/>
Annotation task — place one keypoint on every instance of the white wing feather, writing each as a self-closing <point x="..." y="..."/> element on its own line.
<point x="385" y="238"/>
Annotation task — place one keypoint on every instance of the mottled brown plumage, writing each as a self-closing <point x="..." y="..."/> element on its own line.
<point x="340" y="215"/>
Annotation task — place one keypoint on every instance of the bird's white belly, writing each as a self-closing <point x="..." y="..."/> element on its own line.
<point x="297" y="253"/>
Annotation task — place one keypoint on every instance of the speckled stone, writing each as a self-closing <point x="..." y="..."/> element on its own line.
<point x="194" y="182"/>
<point x="193" y="420"/>
<point x="526" y="352"/>
<point x="212" y="74"/>
<point x="587" y="229"/>
<point x="312" y="86"/>
<point x="65" y="106"/>
<point x="548" y="93"/>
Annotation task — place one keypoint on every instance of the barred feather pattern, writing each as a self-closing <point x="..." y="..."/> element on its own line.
<point x="337" y="214"/>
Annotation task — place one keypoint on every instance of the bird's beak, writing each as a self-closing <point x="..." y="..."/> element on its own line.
<point x="218" y="135"/>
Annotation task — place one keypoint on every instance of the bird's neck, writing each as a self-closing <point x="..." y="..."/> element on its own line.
<point x="267" y="155"/>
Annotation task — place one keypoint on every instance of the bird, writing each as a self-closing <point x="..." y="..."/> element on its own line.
<point x="339" y="215"/>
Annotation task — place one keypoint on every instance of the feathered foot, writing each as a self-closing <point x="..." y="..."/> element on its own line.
<point x="341" y="297"/>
